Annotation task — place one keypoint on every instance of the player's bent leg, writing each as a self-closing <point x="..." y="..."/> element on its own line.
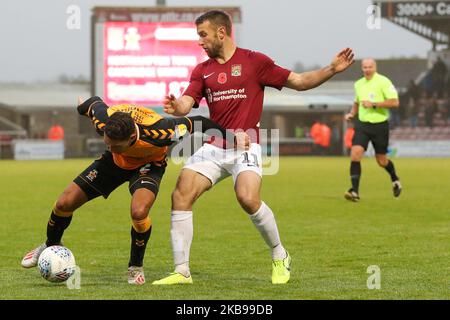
<point x="388" y="165"/>
<point x="247" y="187"/>
<point x="141" y="230"/>
<point x="382" y="160"/>
<point x="70" y="200"/>
<point x="190" y="186"/>
<point x="357" y="153"/>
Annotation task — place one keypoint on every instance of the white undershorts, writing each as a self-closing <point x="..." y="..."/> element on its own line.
<point x="216" y="163"/>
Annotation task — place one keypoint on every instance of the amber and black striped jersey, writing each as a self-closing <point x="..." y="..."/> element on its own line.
<point x="154" y="132"/>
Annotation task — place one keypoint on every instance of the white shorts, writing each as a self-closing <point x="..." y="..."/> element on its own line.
<point x="216" y="163"/>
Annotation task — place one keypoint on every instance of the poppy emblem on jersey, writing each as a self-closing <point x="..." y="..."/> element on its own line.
<point x="222" y="78"/>
<point x="236" y="70"/>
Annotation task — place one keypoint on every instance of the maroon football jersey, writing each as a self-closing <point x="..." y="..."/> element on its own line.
<point x="234" y="91"/>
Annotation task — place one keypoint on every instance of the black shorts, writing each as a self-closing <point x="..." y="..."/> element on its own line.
<point x="377" y="133"/>
<point x="103" y="176"/>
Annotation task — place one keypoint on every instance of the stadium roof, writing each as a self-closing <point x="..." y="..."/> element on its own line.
<point x="42" y="95"/>
<point x="428" y="18"/>
<point x="9" y="127"/>
<point x="400" y="71"/>
<point x="337" y="95"/>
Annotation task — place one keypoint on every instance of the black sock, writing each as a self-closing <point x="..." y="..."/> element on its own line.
<point x="138" y="245"/>
<point x="355" y="174"/>
<point x="391" y="170"/>
<point x="55" y="228"/>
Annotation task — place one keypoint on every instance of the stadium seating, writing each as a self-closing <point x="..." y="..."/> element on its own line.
<point x="421" y="133"/>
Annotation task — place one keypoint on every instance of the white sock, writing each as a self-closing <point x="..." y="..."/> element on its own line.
<point x="264" y="221"/>
<point x="181" y="233"/>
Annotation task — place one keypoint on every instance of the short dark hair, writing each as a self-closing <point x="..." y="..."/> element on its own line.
<point x="120" y="126"/>
<point x="217" y="18"/>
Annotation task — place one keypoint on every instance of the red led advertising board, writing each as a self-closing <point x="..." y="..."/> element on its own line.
<point x="145" y="61"/>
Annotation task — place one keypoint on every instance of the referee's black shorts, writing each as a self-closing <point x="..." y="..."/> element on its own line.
<point x="377" y="133"/>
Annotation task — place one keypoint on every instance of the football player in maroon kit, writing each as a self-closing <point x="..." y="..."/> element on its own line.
<point x="232" y="81"/>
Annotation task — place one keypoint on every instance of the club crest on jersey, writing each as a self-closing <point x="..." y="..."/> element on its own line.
<point x="222" y="78"/>
<point x="236" y="70"/>
<point x="92" y="175"/>
<point x="180" y="130"/>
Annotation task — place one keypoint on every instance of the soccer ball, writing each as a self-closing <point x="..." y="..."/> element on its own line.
<point x="56" y="264"/>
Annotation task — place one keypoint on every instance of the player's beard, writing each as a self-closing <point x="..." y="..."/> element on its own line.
<point x="215" y="49"/>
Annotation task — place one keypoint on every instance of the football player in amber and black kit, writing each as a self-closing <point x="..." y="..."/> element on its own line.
<point x="232" y="81"/>
<point x="137" y="139"/>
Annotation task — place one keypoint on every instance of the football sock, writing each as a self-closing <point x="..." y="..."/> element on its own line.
<point x="58" y="222"/>
<point x="264" y="221"/>
<point x="391" y="170"/>
<point x="355" y="174"/>
<point x="181" y="233"/>
<point x="140" y="233"/>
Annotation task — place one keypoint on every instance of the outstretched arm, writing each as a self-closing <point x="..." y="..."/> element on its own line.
<point x="170" y="130"/>
<point x="312" y="79"/>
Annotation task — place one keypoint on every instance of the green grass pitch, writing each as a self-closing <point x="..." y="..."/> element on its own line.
<point x="332" y="241"/>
